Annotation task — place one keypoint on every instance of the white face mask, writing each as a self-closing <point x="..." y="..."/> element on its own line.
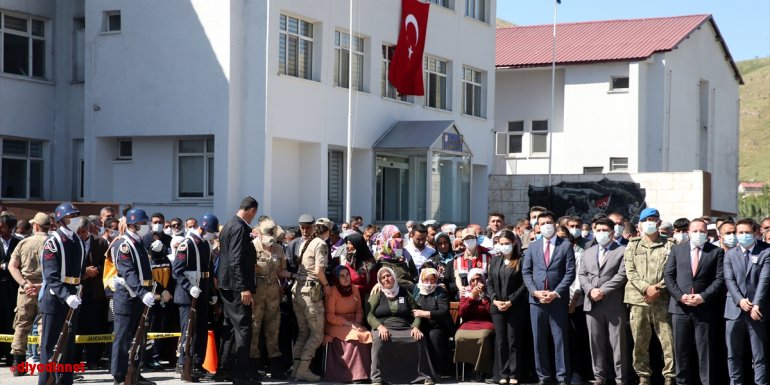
<point x="618" y="231"/>
<point x="168" y="231"/>
<point x="681" y="237"/>
<point x="209" y="236"/>
<point x="547" y="230"/>
<point x="505" y="249"/>
<point x="143" y="231"/>
<point x="649" y="227"/>
<point x="698" y="239"/>
<point x="585" y="233"/>
<point x="602" y="237"/>
<point x="157" y="228"/>
<point x="470" y="244"/>
<point x="75" y="224"/>
<point x="575" y="232"/>
<point x="729" y="240"/>
<point x="102" y="230"/>
<point x="179" y="232"/>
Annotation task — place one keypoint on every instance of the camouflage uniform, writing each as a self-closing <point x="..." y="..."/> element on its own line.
<point x="309" y="311"/>
<point x="27" y="252"/>
<point x="265" y="306"/>
<point x="645" y="262"/>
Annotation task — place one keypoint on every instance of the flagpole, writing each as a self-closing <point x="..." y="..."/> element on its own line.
<point x="553" y="91"/>
<point x="349" y="162"/>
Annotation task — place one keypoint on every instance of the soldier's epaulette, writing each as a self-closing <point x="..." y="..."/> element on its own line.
<point x="634" y="239"/>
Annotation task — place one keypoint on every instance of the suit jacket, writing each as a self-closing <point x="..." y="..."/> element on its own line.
<point x="752" y="283"/>
<point x="5" y="275"/>
<point x="93" y="288"/>
<point x="610" y="277"/>
<point x="238" y="257"/>
<point x="560" y="272"/>
<point x="707" y="281"/>
<point x="505" y="284"/>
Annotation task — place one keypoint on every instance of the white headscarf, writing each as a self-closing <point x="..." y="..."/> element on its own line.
<point x="392" y="292"/>
<point x="427" y="288"/>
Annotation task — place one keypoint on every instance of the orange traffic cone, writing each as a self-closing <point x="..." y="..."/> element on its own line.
<point x="211" y="361"/>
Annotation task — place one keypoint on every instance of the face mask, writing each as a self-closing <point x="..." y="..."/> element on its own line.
<point x="729" y="240"/>
<point x="101" y="231"/>
<point x="75" y="224"/>
<point x="698" y="239"/>
<point x="470" y="244"/>
<point x="538" y="237"/>
<point x="525" y="233"/>
<point x="505" y="249"/>
<point x="114" y="233"/>
<point x="143" y="231"/>
<point x="585" y="233"/>
<point x="168" y="231"/>
<point x="649" y="227"/>
<point x="618" y="231"/>
<point x="576" y="233"/>
<point x="681" y="237"/>
<point x="746" y="240"/>
<point x="209" y="236"/>
<point x="547" y="230"/>
<point x="179" y="232"/>
<point x="602" y="237"/>
<point x="157" y="228"/>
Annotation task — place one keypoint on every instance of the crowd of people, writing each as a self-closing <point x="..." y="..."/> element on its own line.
<point x="545" y="298"/>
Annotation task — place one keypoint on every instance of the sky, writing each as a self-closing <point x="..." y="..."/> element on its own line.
<point x="744" y="24"/>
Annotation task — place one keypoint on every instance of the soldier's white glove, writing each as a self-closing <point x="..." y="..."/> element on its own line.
<point x="156" y="246"/>
<point x="195" y="291"/>
<point x="165" y="296"/>
<point x="73" y="301"/>
<point x="213" y="300"/>
<point x="148" y="299"/>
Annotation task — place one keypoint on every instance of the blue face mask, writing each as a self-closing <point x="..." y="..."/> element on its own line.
<point x="746" y="240"/>
<point x="538" y="237"/>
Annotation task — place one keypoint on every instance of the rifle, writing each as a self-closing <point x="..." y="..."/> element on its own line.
<point x="63" y="342"/>
<point x="189" y="336"/>
<point x="136" y="352"/>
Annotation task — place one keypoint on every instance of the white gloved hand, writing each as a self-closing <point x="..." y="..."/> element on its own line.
<point x="148" y="299"/>
<point x="74" y="301"/>
<point x="165" y="296"/>
<point x="195" y="291"/>
<point x="213" y="300"/>
<point x="156" y="246"/>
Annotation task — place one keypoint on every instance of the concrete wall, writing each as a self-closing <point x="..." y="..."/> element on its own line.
<point x="675" y="195"/>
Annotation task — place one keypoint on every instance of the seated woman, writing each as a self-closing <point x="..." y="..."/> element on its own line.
<point x="392" y="256"/>
<point x="399" y="352"/>
<point x="474" y="340"/>
<point x="443" y="261"/>
<point x="433" y="308"/>
<point x="360" y="262"/>
<point x="349" y="355"/>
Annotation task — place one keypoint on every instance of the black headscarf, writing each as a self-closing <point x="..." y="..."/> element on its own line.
<point x="345" y="291"/>
<point x="362" y="254"/>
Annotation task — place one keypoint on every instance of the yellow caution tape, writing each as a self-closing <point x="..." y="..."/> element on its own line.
<point x="90" y="338"/>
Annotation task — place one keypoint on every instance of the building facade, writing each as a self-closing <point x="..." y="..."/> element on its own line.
<point x="187" y="106"/>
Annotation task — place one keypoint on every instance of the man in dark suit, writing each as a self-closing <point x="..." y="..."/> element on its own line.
<point x="95" y="303"/>
<point x="548" y="271"/>
<point x="8" y="286"/>
<point x="603" y="279"/>
<point x="695" y="280"/>
<point x="237" y="283"/>
<point x="747" y="276"/>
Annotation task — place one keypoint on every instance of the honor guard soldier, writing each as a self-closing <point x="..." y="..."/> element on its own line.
<point x="133" y="286"/>
<point x="193" y="269"/>
<point x="63" y="265"/>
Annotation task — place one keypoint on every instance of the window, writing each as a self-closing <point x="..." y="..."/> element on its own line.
<point x="472" y="93"/>
<point x="195" y="168"/>
<point x="342" y="49"/>
<point x="111" y="21"/>
<point x="523" y="139"/>
<point x="22" y="169"/>
<point x="436" y="93"/>
<point x="476" y="9"/>
<point x="78" y="50"/>
<point x="619" y="83"/>
<point x="388" y="91"/>
<point x="295" y="47"/>
<point x="125" y="149"/>
<point x="593" y="170"/>
<point x="443" y="3"/>
<point x="23" y="45"/>
<point x="336" y="186"/>
<point x="618" y="164"/>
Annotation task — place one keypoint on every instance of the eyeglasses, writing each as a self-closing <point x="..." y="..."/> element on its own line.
<point x="176" y="225"/>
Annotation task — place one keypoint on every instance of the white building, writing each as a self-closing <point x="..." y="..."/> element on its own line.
<point x="631" y="96"/>
<point x="187" y="106"/>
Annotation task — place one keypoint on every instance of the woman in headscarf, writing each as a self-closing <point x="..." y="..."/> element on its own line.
<point x="349" y="355"/>
<point x="392" y="255"/>
<point x="474" y="340"/>
<point x="360" y="261"/>
<point x="443" y="261"/>
<point x="433" y="308"/>
<point x="509" y="309"/>
<point x="399" y="352"/>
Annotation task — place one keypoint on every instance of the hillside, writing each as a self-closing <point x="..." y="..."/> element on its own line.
<point x="755" y="120"/>
<point x="500" y="23"/>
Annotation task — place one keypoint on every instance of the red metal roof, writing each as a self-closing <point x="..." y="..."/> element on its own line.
<point x="596" y="41"/>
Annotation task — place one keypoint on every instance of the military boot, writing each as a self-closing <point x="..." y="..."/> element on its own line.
<point x="276" y="369"/>
<point x="304" y="374"/>
<point x="18" y="359"/>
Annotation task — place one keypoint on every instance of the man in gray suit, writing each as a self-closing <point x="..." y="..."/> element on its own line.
<point x="603" y="279"/>
<point x="747" y="275"/>
<point x="695" y="280"/>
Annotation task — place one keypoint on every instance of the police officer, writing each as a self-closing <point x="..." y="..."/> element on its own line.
<point x="271" y="266"/>
<point x="645" y="259"/>
<point x="193" y="269"/>
<point x="309" y="291"/>
<point x="133" y="286"/>
<point x="63" y="265"/>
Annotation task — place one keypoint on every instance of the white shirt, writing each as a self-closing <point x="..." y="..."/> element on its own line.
<point x="6" y="244"/>
<point x="418" y="257"/>
<point x="552" y="241"/>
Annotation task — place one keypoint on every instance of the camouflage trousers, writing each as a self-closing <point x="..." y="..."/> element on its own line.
<point x="266" y="312"/>
<point x="26" y="310"/>
<point x="643" y="319"/>
<point x="310" y="322"/>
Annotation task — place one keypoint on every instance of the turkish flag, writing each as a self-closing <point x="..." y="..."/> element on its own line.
<point x="405" y="73"/>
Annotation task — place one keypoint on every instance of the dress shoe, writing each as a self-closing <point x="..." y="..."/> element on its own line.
<point x="143" y="381"/>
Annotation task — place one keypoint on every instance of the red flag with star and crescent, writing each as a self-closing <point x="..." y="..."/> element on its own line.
<point x="405" y="73"/>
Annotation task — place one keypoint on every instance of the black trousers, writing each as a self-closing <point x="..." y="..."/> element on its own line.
<point x="125" y="329"/>
<point x="8" y="292"/>
<point x="198" y="344"/>
<point x="688" y="328"/>
<point x="52" y="327"/>
<point x="236" y="335"/>
<point x="437" y="340"/>
<point x="95" y="322"/>
<point x="509" y="329"/>
<point x="579" y="346"/>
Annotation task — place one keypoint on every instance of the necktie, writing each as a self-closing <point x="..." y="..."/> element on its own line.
<point x="695" y="261"/>
<point x="601" y="256"/>
<point x="746" y="261"/>
<point x="547" y="252"/>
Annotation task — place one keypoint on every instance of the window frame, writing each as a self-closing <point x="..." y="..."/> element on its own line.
<point x="477" y="10"/>
<point x="118" y="150"/>
<point x="482" y="113"/>
<point x="284" y="36"/>
<point x="31" y="37"/>
<point x="614" y="89"/>
<point x="448" y="4"/>
<point x="526" y="133"/>
<point x="387" y="90"/>
<point x="427" y="73"/>
<point x="616" y="164"/>
<point x="207" y="154"/>
<point x="106" y="22"/>
<point x="339" y="47"/>
<point x="29" y="158"/>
